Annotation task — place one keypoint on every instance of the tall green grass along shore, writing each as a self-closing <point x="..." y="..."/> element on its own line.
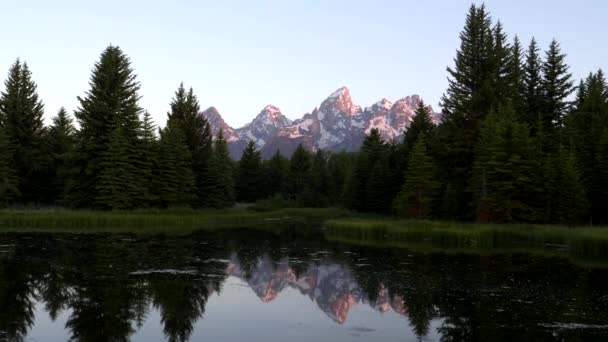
<point x="589" y="244"/>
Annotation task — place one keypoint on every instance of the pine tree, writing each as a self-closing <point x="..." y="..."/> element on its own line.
<point x="299" y="181"/>
<point x="116" y="185"/>
<point x="470" y="97"/>
<point x="340" y="167"/>
<point x="503" y="89"/>
<point x="21" y="111"/>
<point x="147" y="161"/>
<point x="185" y="111"/>
<point x="541" y="194"/>
<point x="373" y="150"/>
<point x="515" y="77"/>
<point x="551" y="178"/>
<point x="61" y="138"/>
<point x="599" y="197"/>
<point x="414" y="199"/>
<point x="320" y="179"/>
<point x="572" y="205"/>
<point x="249" y="175"/>
<point x="469" y="93"/>
<point x="421" y="124"/>
<point x="395" y="168"/>
<point x="503" y="173"/>
<point x="585" y="127"/>
<point x="8" y="179"/>
<point x="110" y="105"/>
<point x="276" y="172"/>
<point x="374" y="146"/>
<point x="349" y="196"/>
<point x="557" y="86"/>
<point x="221" y="175"/>
<point x="533" y="96"/>
<point x="174" y="179"/>
<point x="148" y="128"/>
<point x="378" y="188"/>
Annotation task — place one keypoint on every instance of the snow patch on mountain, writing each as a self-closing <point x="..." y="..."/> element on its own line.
<point x="337" y="124"/>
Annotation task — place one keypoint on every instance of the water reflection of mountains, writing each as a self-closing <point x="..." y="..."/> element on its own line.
<point x="332" y="286"/>
<point x="107" y="284"/>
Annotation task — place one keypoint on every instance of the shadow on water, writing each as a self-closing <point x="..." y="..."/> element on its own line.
<point x="108" y="286"/>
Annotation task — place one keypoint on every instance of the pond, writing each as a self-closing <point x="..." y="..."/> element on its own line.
<point x="250" y="285"/>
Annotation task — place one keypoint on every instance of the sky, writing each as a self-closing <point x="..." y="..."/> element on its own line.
<point x="242" y="55"/>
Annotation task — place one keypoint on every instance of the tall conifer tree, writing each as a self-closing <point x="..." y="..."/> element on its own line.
<point x="21" y="111"/>
<point x="116" y="187"/>
<point x="421" y="124"/>
<point x="420" y="187"/>
<point x="572" y="206"/>
<point x="586" y="126"/>
<point x="249" y="175"/>
<point x="174" y="179"/>
<point x="320" y="179"/>
<point x="277" y="169"/>
<point x="557" y="87"/>
<point x="111" y="105"/>
<point x="379" y="187"/>
<point x="340" y="167"/>
<point x="503" y="91"/>
<point x="470" y="97"/>
<point x="533" y="96"/>
<point x="185" y="111"/>
<point x="147" y="161"/>
<point x="61" y="140"/>
<point x="8" y="180"/>
<point x="373" y="150"/>
<point x="299" y="181"/>
<point x="515" y="77"/>
<point x="221" y="175"/>
<point x="503" y="171"/>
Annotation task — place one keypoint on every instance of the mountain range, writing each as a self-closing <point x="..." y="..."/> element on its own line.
<point x="336" y="125"/>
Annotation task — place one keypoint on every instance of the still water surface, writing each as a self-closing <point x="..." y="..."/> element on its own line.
<point x="259" y="286"/>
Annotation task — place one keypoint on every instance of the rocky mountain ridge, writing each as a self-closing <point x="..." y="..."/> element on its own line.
<point x="337" y="124"/>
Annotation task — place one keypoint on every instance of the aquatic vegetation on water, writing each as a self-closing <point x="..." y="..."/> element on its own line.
<point x="588" y="244"/>
<point x="154" y="221"/>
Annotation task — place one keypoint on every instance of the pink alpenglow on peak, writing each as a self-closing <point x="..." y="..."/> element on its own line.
<point x="217" y="123"/>
<point x="342" y="91"/>
<point x="340" y="102"/>
<point x="336" y="125"/>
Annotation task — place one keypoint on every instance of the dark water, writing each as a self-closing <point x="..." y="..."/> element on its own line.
<point x="260" y="286"/>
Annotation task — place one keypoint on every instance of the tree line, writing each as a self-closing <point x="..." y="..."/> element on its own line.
<point x="518" y="142"/>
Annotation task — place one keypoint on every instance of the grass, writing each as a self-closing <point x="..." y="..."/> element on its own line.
<point x="589" y="244"/>
<point x="155" y="221"/>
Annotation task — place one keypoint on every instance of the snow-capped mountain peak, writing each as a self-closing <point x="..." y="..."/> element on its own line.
<point x="337" y="124"/>
<point x="340" y="102"/>
<point x="272" y="115"/>
<point x="264" y="126"/>
<point x="217" y="123"/>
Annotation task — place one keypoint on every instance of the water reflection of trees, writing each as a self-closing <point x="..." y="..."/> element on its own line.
<point x="94" y="278"/>
<point x="16" y="301"/>
<point x="108" y="284"/>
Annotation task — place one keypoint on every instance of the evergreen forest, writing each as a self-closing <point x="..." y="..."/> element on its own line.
<point x="520" y="140"/>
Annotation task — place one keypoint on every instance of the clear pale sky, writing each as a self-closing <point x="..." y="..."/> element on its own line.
<point x="241" y="55"/>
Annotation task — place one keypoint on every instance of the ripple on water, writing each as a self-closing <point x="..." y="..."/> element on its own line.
<point x="572" y="326"/>
<point x="164" y="271"/>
